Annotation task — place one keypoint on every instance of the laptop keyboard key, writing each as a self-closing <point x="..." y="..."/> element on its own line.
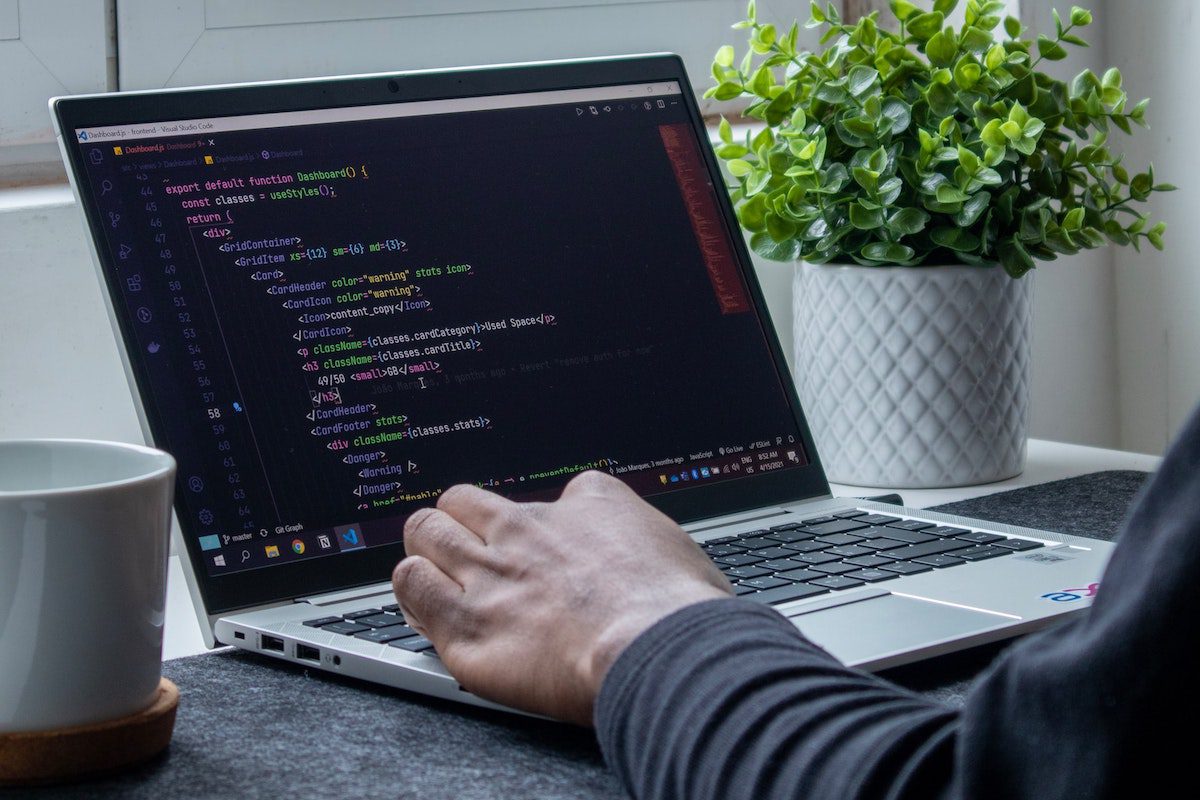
<point x="741" y="589"/>
<point x="380" y="620"/>
<point x="805" y="547"/>
<point x="882" y="544"/>
<point x="877" y="519"/>
<point x="385" y="635"/>
<point x="393" y="608"/>
<point x="799" y="575"/>
<point x="316" y="623"/>
<point x="783" y="594"/>
<point x="772" y="552"/>
<point x="946" y="530"/>
<point x="981" y="553"/>
<point x="836" y="568"/>
<point x="815" y="558"/>
<point x="788" y="537"/>
<point x="418" y="644"/>
<point x="738" y="559"/>
<point x="364" y="613"/>
<point x="836" y="539"/>
<point x="902" y="535"/>
<point x="905" y="568"/>
<point x="763" y="583"/>
<point x="755" y="542"/>
<point x="872" y="575"/>
<point x="910" y="525"/>
<point x="781" y="564"/>
<point x="940" y="560"/>
<point x="837" y="526"/>
<point x="869" y="561"/>
<point x="347" y="628"/>
<point x="836" y="582"/>
<point x="818" y="520"/>
<point x="721" y="540"/>
<point x="979" y="537"/>
<point x="927" y="549"/>
<point x="850" y="551"/>
<point x="746" y="572"/>
<point x="851" y="514"/>
<point x="718" y="550"/>
<point x="1007" y="544"/>
<point x="787" y="526"/>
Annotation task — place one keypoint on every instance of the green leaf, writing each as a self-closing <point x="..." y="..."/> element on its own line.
<point x="887" y="253"/>
<point x="955" y="239"/>
<point x="945" y="7"/>
<point x="941" y="48"/>
<point x="1050" y="49"/>
<point x="724" y="56"/>
<point x="1014" y="257"/>
<point x="727" y="91"/>
<point x="967" y="73"/>
<point x="1080" y="17"/>
<point x="898" y="112"/>
<point x="738" y="168"/>
<point x="992" y="135"/>
<point x="972" y="209"/>
<point x="1012" y="26"/>
<point x="907" y="221"/>
<point x="861" y="80"/>
<point x="725" y="131"/>
<point x="949" y="194"/>
<point x="768" y="248"/>
<point x="903" y="9"/>
<point x="941" y="99"/>
<point x="923" y="26"/>
<point x="864" y="218"/>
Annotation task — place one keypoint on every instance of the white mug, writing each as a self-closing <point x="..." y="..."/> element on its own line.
<point x="83" y="569"/>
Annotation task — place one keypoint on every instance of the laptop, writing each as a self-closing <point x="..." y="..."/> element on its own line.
<point x="335" y="298"/>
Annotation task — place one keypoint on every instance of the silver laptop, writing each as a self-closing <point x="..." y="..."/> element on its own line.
<point x="336" y="298"/>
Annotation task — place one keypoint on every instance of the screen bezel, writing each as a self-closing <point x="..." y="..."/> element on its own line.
<point x="284" y="582"/>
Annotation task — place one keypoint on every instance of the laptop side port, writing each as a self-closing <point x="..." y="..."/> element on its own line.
<point x="272" y="644"/>
<point x="308" y="653"/>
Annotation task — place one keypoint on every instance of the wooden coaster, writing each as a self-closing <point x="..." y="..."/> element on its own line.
<point x="67" y="754"/>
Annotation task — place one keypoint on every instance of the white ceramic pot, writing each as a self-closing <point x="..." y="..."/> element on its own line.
<point x="914" y="377"/>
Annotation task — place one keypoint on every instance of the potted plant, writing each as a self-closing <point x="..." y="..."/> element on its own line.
<point x="916" y="175"/>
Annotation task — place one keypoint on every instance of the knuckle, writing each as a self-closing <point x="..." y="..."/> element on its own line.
<point x="591" y="481"/>
<point x="452" y="495"/>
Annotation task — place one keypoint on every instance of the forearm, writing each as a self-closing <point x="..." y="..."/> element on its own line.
<point x="726" y="700"/>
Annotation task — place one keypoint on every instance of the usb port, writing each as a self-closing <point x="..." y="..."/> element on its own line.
<point x="272" y="643"/>
<point x="307" y="653"/>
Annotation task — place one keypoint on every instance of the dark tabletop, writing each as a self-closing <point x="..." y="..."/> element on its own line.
<point x="253" y="727"/>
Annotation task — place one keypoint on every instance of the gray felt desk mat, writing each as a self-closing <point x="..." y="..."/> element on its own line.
<point x="252" y="727"/>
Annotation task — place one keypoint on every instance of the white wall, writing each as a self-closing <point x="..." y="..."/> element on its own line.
<point x="1158" y="294"/>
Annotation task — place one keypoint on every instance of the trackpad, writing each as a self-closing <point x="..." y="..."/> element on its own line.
<point x="866" y="630"/>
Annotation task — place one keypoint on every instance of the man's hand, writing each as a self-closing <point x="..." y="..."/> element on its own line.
<point x="529" y="604"/>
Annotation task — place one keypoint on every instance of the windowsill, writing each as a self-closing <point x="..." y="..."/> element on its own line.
<point x="25" y="198"/>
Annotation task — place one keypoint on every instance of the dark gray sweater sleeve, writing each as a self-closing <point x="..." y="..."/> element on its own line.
<point x="725" y="699"/>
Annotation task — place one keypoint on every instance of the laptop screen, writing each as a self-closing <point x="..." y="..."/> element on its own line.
<point x="337" y="313"/>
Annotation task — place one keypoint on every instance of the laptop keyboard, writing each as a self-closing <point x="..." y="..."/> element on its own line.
<point x="385" y="625"/>
<point x="776" y="565"/>
<point x="844" y="550"/>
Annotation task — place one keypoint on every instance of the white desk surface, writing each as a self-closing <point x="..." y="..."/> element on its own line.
<point x="1047" y="461"/>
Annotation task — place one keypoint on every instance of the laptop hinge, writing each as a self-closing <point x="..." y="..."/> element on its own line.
<point x="347" y="595"/>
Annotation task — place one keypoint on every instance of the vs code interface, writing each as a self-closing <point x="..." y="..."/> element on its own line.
<point x="339" y="313"/>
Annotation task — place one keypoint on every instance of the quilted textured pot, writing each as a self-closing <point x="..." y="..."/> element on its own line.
<point x="914" y="377"/>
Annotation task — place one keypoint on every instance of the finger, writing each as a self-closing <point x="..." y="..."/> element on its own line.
<point x="477" y="509"/>
<point x="439" y="537"/>
<point x="427" y="596"/>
